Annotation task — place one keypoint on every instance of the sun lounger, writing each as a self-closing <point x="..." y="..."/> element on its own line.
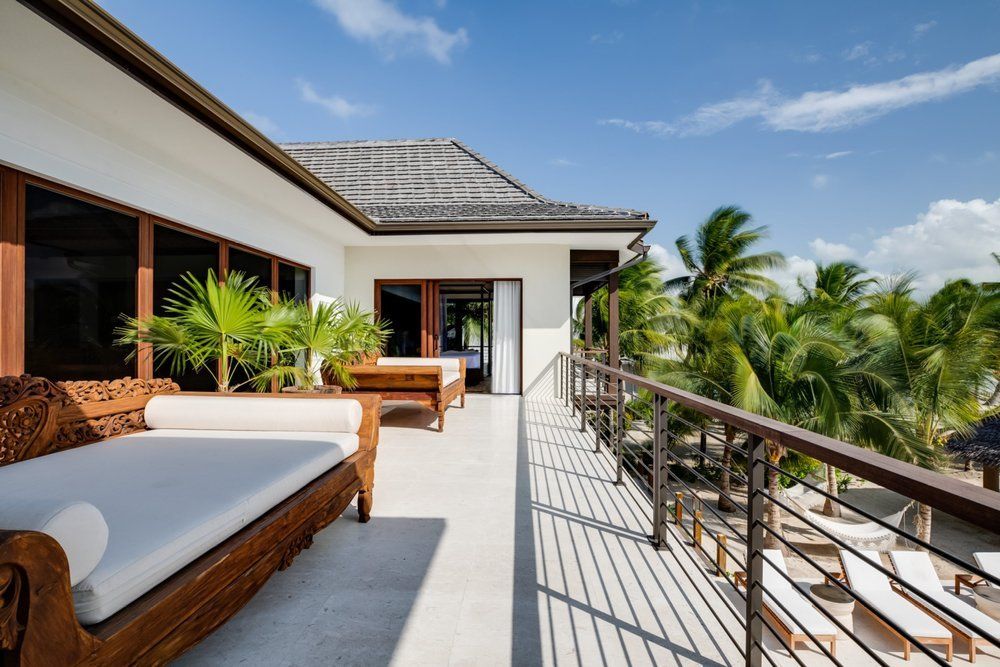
<point x="801" y="616"/>
<point x="988" y="562"/>
<point x="875" y="592"/>
<point x="916" y="569"/>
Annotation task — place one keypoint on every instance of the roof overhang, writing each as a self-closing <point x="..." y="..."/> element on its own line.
<point x="102" y="33"/>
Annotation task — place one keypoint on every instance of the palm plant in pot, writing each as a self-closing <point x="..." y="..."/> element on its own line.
<point x="326" y="340"/>
<point x="230" y="329"/>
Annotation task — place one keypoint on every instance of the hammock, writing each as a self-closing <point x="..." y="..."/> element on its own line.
<point x="866" y="535"/>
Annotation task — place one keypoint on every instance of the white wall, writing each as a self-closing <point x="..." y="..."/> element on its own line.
<point x="69" y="116"/>
<point x="544" y="270"/>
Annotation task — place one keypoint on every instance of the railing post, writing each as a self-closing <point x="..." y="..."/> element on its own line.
<point x="572" y="383"/>
<point x="660" y="474"/>
<point x="720" y="554"/>
<point x="620" y="430"/>
<point x="583" y="397"/>
<point x="755" y="544"/>
<point x="598" y="416"/>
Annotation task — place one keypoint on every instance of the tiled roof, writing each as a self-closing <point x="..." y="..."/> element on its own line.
<point x="435" y="180"/>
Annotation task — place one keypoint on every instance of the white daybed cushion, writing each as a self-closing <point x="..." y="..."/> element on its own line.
<point x="916" y="569"/>
<point x="803" y="615"/>
<point x="876" y="588"/>
<point x="77" y="526"/>
<point x="169" y="496"/>
<point x="446" y="363"/>
<point x="248" y="413"/>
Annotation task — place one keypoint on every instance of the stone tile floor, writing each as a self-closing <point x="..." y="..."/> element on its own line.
<point x="502" y="541"/>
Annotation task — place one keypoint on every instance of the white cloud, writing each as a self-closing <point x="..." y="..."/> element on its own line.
<point x="952" y="239"/>
<point x="837" y="154"/>
<point x="612" y="37"/>
<point x="922" y="29"/>
<point x="262" y="123"/>
<point x="826" y="251"/>
<point x="671" y="262"/>
<point x="383" y="24"/>
<point x="820" y="181"/>
<point x="563" y="162"/>
<point x="336" y="106"/>
<point x="825" y="110"/>
<point x="858" y="51"/>
<point x="795" y="268"/>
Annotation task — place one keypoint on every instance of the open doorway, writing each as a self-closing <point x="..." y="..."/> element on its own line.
<point x="478" y="320"/>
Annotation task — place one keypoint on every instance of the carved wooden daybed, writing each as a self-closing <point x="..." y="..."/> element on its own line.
<point x="38" y="621"/>
<point x="433" y="382"/>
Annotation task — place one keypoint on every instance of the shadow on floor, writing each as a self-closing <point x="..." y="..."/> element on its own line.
<point x="344" y="601"/>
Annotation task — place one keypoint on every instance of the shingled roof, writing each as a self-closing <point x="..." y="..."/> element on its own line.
<point x="438" y="181"/>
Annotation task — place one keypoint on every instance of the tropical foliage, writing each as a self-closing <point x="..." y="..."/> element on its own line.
<point x="234" y="328"/>
<point x="864" y="360"/>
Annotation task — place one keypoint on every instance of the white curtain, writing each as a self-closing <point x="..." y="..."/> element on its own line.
<point x="506" y="337"/>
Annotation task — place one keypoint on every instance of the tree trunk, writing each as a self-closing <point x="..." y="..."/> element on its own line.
<point x="924" y="522"/>
<point x="725" y="479"/>
<point x="774" y="522"/>
<point x="704" y="449"/>
<point x="830" y="507"/>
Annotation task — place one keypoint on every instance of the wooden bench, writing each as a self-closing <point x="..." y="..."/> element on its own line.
<point x="38" y="624"/>
<point x="423" y="384"/>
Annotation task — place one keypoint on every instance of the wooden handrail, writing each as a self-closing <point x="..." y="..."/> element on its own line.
<point x="978" y="506"/>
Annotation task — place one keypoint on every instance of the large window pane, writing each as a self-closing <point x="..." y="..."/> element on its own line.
<point x="80" y="276"/>
<point x="293" y="282"/>
<point x="402" y="307"/>
<point x="175" y="254"/>
<point x="251" y="265"/>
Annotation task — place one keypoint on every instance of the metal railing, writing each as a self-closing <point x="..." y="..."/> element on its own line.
<point x="649" y="431"/>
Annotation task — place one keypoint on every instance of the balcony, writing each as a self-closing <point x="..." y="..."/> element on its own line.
<point x="506" y="540"/>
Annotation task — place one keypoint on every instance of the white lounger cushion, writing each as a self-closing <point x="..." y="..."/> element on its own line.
<point x="804" y="615"/>
<point x="450" y="376"/>
<point x="78" y="527"/>
<point x="916" y="569"/>
<point x="876" y="588"/>
<point x="988" y="562"/>
<point x="446" y="363"/>
<point x="169" y="496"/>
<point x="249" y="413"/>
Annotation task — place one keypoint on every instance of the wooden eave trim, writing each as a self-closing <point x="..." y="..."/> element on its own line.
<point x="497" y="226"/>
<point x="100" y="32"/>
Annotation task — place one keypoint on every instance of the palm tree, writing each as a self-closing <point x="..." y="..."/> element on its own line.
<point x="941" y="355"/>
<point x="787" y="364"/>
<point x="218" y="327"/>
<point x="838" y="285"/>
<point x="646" y="313"/>
<point x="718" y="261"/>
<point x="327" y="338"/>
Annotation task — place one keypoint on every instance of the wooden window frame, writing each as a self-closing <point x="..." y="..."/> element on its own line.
<point x="13" y="185"/>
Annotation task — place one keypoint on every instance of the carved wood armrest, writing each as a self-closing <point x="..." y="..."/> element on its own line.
<point x="38" y="624"/>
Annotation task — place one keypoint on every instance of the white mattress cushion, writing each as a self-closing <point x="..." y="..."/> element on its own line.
<point x="800" y="610"/>
<point x="450" y="376"/>
<point x="249" y="413"/>
<point x="876" y="588"/>
<point x="169" y="496"/>
<point x="446" y="363"/>
<point x="77" y="526"/>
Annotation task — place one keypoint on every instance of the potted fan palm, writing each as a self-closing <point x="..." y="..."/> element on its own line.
<point x="326" y="340"/>
<point x="229" y="329"/>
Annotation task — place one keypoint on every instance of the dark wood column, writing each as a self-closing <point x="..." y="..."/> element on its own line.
<point x="614" y="354"/>
<point x="588" y="320"/>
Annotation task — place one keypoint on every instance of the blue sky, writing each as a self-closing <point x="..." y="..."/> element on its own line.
<point x="852" y="129"/>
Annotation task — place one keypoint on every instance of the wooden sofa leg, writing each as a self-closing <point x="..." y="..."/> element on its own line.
<point x="38" y="625"/>
<point x="365" y="496"/>
<point x="462" y="404"/>
<point x="441" y="420"/>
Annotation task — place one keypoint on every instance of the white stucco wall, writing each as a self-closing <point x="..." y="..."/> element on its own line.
<point x="543" y="269"/>
<point x="69" y="116"/>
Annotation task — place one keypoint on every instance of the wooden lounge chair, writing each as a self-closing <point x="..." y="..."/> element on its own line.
<point x="432" y="382"/>
<point x="989" y="562"/>
<point x="916" y="569"/>
<point x="801" y="615"/>
<point x="875" y="590"/>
